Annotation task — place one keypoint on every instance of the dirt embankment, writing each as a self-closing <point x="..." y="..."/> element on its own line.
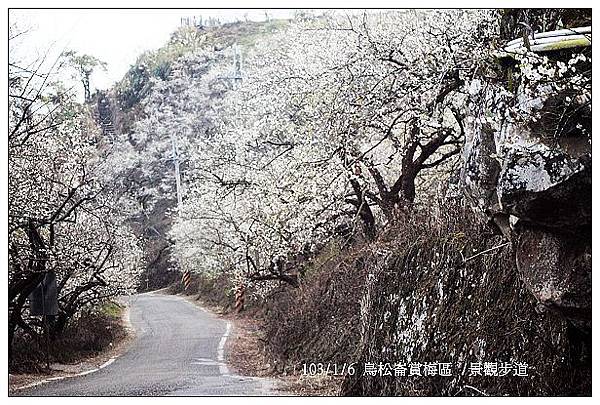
<point x="436" y="289"/>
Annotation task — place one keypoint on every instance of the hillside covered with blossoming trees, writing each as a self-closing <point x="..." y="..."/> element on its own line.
<point x="379" y="189"/>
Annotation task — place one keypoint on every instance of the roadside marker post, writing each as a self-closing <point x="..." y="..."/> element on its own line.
<point x="240" y="298"/>
<point x="186" y="279"/>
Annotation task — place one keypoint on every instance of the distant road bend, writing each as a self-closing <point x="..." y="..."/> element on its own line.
<point x="176" y="351"/>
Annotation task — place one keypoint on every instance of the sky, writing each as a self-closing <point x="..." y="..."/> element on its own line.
<point x="116" y="37"/>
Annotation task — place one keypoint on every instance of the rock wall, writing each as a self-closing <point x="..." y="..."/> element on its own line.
<point x="535" y="186"/>
<point x="432" y="297"/>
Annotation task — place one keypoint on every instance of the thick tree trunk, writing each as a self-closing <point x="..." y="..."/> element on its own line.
<point x="21" y="288"/>
<point x="364" y="211"/>
<point x="16" y="306"/>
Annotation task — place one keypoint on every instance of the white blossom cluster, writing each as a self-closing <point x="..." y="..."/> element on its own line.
<point x="67" y="213"/>
<point x="323" y="102"/>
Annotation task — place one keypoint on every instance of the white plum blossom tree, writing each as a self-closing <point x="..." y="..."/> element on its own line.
<point x="66" y="211"/>
<point x="339" y="122"/>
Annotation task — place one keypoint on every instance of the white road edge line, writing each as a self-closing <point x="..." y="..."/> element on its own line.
<point x="221" y="351"/>
<point x="93" y="370"/>
<point x="107" y="363"/>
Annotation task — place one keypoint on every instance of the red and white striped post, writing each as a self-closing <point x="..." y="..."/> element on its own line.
<point x="186" y="279"/>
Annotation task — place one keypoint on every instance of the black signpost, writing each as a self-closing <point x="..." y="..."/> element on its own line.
<point x="43" y="301"/>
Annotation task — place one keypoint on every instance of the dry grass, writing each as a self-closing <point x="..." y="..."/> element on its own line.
<point x="88" y="350"/>
<point x="84" y="337"/>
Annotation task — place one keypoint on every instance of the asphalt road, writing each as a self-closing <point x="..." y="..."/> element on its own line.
<point x="176" y="351"/>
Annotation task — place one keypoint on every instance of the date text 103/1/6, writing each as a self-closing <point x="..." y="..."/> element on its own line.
<point x="329" y="369"/>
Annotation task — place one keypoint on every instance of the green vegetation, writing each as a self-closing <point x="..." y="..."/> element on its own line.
<point x="157" y="63"/>
<point x="111" y="309"/>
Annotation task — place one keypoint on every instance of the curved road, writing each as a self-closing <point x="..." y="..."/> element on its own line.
<point x="176" y="351"/>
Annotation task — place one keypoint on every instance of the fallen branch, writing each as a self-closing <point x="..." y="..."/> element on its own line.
<point x="476" y="390"/>
<point x="485" y="251"/>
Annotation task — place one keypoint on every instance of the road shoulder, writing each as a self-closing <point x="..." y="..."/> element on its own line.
<point x="245" y="356"/>
<point x="58" y="371"/>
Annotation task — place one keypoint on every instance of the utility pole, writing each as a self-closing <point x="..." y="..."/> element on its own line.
<point x="175" y="158"/>
<point x="235" y="74"/>
<point x="237" y="66"/>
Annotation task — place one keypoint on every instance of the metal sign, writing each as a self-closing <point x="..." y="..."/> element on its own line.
<point x="44" y="299"/>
